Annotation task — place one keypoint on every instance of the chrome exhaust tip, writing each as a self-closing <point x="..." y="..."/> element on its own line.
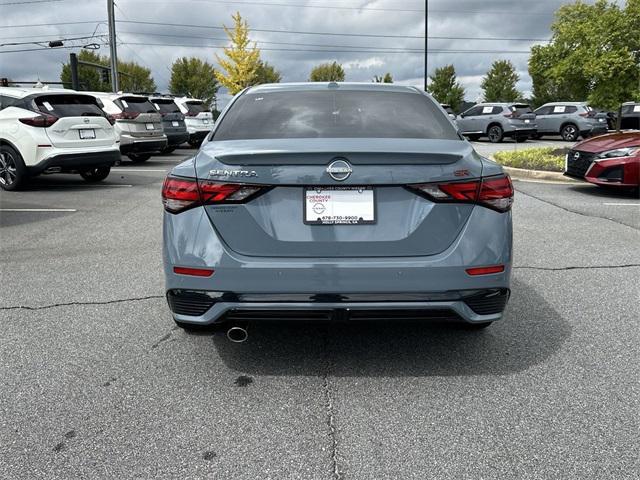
<point x="237" y="334"/>
<point x="52" y="170"/>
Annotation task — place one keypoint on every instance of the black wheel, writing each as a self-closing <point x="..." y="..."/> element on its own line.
<point x="13" y="173"/>
<point x="195" y="143"/>
<point x="535" y="136"/>
<point x="521" y="139"/>
<point x="570" y="133"/>
<point x="168" y="150"/>
<point x="495" y="134"/>
<point x="95" y="174"/>
<point x="473" y="138"/>
<point x="139" y="157"/>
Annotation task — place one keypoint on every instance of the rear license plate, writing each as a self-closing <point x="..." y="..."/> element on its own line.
<point x="601" y="120"/>
<point x="87" y="133"/>
<point x="149" y="126"/>
<point x="527" y="121"/>
<point x="339" y="206"/>
<point x="174" y="123"/>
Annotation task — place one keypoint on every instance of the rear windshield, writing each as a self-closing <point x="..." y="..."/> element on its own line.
<point x="69" y="105"/>
<point x="521" y="109"/>
<point x="334" y="114"/>
<point x="196" y="107"/>
<point x="136" y="104"/>
<point x="166" y="106"/>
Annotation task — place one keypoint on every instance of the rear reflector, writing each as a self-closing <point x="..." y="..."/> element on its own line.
<point x="485" y="270"/>
<point x="194" y="272"/>
<point x="180" y="194"/>
<point x="126" y="115"/>
<point x="492" y="192"/>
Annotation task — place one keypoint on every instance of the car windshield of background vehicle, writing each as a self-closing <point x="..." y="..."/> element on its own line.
<point x="166" y="106"/>
<point x="331" y="114"/>
<point x="68" y="105"/>
<point x="197" y="107"/>
<point x="136" y="104"/>
<point x="521" y="109"/>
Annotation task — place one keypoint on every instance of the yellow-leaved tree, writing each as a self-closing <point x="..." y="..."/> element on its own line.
<point x="243" y="60"/>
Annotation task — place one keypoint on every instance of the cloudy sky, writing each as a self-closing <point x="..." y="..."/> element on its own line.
<point x="369" y="37"/>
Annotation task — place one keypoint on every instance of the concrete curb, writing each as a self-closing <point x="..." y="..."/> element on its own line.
<point x="540" y="175"/>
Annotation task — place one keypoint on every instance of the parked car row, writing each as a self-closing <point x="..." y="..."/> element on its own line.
<point x="46" y="130"/>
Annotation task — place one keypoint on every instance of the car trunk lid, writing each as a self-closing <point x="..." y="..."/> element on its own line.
<point x="280" y="221"/>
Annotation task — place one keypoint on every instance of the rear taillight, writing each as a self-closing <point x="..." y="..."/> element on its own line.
<point x="485" y="270"/>
<point x="43" y="120"/>
<point x="180" y="194"/>
<point x="126" y="115"/>
<point x="191" y="114"/>
<point x="508" y="115"/>
<point x="492" y="192"/>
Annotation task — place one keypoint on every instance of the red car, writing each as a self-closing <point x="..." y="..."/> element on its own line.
<point x="607" y="160"/>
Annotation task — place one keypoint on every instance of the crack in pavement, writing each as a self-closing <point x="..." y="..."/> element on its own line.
<point x="578" y="267"/>
<point x="104" y="302"/>
<point x="573" y="211"/>
<point x="328" y="395"/>
<point x="165" y="338"/>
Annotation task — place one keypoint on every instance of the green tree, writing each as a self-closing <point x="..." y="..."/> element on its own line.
<point x="386" y="78"/>
<point x="133" y="77"/>
<point x="445" y="87"/>
<point x="593" y="55"/>
<point x="243" y="60"/>
<point x="499" y="84"/>
<point x="266" y="73"/>
<point x="194" y="77"/>
<point x="327" y="72"/>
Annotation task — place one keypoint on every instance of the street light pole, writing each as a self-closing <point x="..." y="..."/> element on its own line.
<point x="112" y="45"/>
<point x="426" y="43"/>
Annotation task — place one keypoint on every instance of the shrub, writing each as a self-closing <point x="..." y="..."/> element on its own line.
<point x="548" y="159"/>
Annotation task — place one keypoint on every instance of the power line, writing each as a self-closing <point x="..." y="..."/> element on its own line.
<point x="29" y="3"/>
<point x="37" y="42"/>
<point x="335" y="51"/>
<point x="51" y="24"/>
<point x="45" y="48"/>
<point x="299" y="32"/>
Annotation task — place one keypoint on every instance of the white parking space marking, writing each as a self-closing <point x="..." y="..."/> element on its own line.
<point x="91" y="186"/>
<point x="623" y="204"/>
<point x="38" y="210"/>
<point x="138" y="170"/>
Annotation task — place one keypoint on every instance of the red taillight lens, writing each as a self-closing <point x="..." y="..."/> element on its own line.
<point x="508" y="115"/>
<point x="485" y="270"/>
<point x="194" y="272"/>
<point x="493" y="192"/>
<point x="44" y="120"/>
<point x="126" y="115"/>
<point x="180" y="194"/>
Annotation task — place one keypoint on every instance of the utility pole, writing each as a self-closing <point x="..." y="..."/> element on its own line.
<point x="112" y="46"/>
<point x="73" y="65"/>
<point x="426" y="43"/>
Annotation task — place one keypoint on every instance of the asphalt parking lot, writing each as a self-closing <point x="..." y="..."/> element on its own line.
<point x="97" y="382"/>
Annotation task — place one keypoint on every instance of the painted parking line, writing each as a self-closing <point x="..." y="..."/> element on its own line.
<point x="85" y="185"/>
<point x="138" y="170"/>
<point x="622" y="204"/>
<point x="38" y="210"/>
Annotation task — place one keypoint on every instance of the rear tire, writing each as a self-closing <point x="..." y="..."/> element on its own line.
<point x="139" y="157"/>
<point x="195" y="144"/>
<point x="495" y="134"/>
<point x="13" y="173"/>
<point x="473" y="138"/>
<point x="95" y="174"/>
<point x="570" y="133"/>
<point x="168" y="150"/>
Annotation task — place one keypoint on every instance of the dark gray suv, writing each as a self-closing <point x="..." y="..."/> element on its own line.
<point x="498" y="120"/>
<point x="570" y="120"/>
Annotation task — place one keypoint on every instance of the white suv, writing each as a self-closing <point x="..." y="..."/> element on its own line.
<point x="138" y="124"/>
<point x="53" y="131"/>
<point x="197" y="117"/>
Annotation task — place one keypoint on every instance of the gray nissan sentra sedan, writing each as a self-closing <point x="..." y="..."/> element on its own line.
<point x="336" y="201"/>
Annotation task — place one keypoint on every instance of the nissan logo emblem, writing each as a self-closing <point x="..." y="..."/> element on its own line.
<point x="576" y="155"/>
<point x="339" y="170"/>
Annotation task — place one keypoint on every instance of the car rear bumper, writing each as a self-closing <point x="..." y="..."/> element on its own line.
<point x="596" y="129"/>
<point x="175" y="139"/>
<point x="69" y="162"/>
<point x="130" y="144"/>
<point x="521" y="131"/>
<point x="207" y="307"/>
<point x="390" y="283"/>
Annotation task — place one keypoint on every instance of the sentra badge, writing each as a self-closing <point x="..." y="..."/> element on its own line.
<point x="233" y="173"/>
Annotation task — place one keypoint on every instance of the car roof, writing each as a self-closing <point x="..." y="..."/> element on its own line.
<point x="115" y="96"/>
<point x="320" y="86"/>
<point x="22" y="92"/>
<point x="564" y="103"/>
<point x="498" y="104"/>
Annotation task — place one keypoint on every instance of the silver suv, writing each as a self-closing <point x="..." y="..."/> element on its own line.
<point x="570" y="120"/>
<point x="498" y="120"/>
